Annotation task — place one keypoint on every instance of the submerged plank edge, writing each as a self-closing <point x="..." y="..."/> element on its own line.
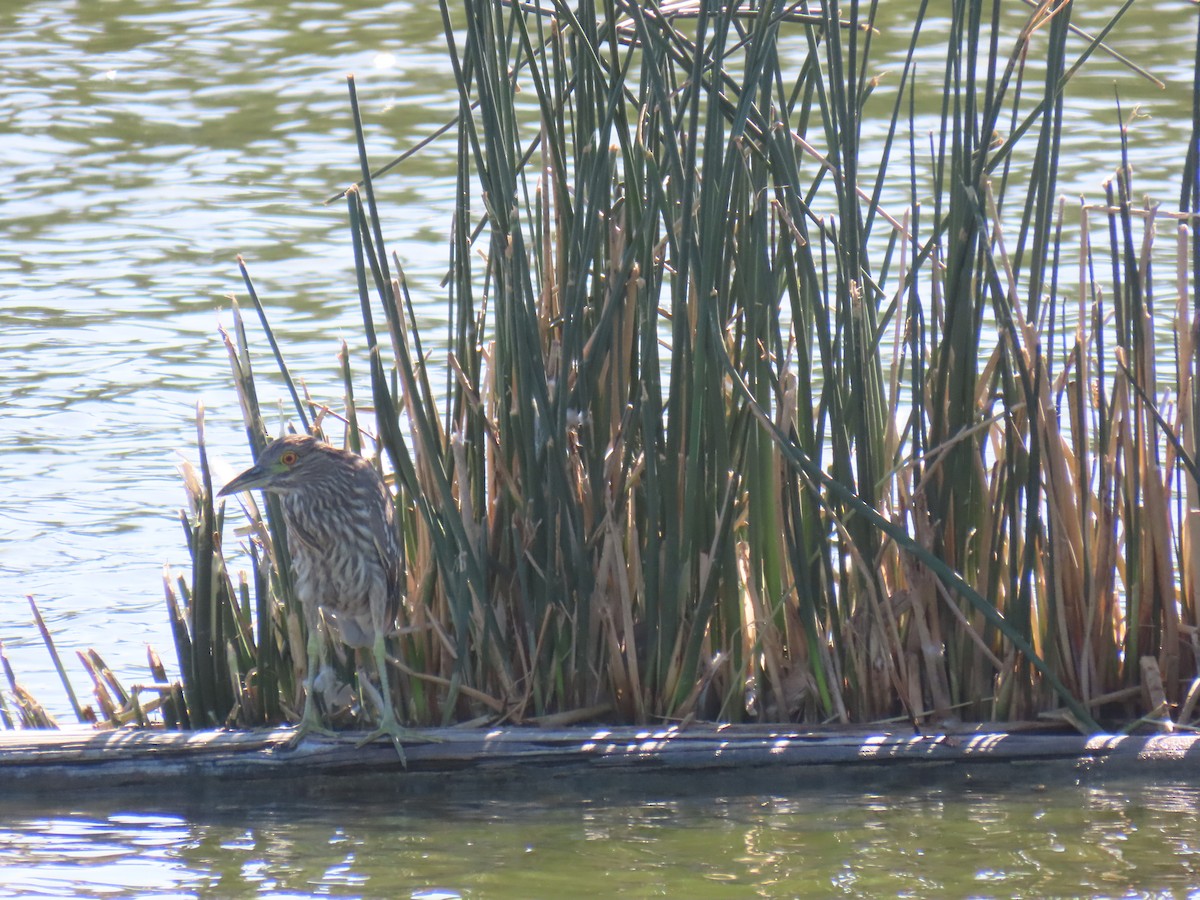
<point x="46" y="759"/>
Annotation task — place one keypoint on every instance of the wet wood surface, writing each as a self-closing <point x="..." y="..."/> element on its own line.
<point x="477" y="760"/>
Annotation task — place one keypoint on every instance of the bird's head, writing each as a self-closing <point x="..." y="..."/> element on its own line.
<point x="286" y="464"/>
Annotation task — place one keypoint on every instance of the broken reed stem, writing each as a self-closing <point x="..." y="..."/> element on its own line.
<point x="54" y="657"/>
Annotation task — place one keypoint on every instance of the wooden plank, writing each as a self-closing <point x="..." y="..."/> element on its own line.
<point x="477" y="758"/>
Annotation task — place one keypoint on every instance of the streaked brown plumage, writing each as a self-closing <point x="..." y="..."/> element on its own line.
<point x="344" y="552"/>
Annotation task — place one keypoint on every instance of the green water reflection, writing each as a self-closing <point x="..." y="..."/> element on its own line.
<point x="1131" y="841"/>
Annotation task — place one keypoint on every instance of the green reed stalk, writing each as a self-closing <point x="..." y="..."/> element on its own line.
<point x="718" y="436"/>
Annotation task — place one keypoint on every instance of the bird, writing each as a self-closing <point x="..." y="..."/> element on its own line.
<point x="345" y="559"/>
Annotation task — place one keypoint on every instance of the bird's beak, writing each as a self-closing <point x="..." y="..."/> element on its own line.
<point x="254" y="477"/>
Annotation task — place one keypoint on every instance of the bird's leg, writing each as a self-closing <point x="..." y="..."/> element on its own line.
<point x="388" y="723"/>
<point x="310" y="719"/>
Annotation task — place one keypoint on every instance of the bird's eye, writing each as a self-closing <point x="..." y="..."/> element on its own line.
<point x="289" y="458"/>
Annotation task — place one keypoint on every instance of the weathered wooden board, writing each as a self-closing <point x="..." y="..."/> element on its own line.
<point x="477" y="761"/>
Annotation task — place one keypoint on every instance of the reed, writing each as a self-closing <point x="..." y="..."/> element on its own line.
<point x="721" y="440"/>
<point x="117" y="705"/>
<point x="740" y="425"/>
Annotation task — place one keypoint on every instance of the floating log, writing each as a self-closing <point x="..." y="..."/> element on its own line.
<point x="479" y="762"/>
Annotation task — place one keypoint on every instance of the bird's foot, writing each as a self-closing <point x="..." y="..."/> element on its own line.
<point x="310" y="723"/>
<point x="392" y="728"/>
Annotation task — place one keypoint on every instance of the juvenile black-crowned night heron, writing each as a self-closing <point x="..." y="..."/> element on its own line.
<point x="345" y="557"/>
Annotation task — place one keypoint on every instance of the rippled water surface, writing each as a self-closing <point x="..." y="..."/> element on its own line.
<point x="1035" y="843"/>
<point x="143" y="144"/>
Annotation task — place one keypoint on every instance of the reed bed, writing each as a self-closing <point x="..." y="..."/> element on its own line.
<point x="739" y="427"/>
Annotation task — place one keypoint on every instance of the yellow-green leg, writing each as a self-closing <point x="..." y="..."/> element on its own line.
<point x="310" y="719"/>
<point x="388" y="723"/>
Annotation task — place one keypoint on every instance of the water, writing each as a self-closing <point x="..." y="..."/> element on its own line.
<point x="937" y="842"/>
<point x="143" y="145"/>
<point x="141" y="149"/>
